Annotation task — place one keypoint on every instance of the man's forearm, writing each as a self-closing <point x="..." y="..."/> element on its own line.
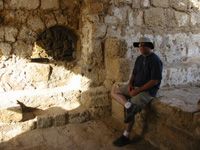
<point x="148" y="85"/>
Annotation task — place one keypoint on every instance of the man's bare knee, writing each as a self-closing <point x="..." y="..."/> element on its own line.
<point x="115" y="92"/>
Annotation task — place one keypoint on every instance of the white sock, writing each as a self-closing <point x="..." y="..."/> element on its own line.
<point x="127" y="105"/>
<point x="126" y="134"/>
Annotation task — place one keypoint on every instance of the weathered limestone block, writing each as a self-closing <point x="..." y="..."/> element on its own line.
<point x="154" y="17"/>
<point x="118" y="69"/>
<point x="98" y="51"/>
<point x="12" y="130"/>
<point x="114" y="32"/>
<point x="26" y="34"/>
<point x="5" y="78"/>
<point x="78" y="115"/>
<point x="195" y="19"/>
<point x="182" y="19"/>
<point x="108" y="83"/>
<point x="97" y="102"/>
<point x="180" y="75"/>
<point x="15" y="85"/>
<point x="96" y="75"/>
<point x="1" y="66"/>
<point x="131" y="19"/>
<point x="181" y="120"/>
<point x="16" y="4"/>
<point x="136" y="4"/>
<point x="49" y="4"/>
<point x="196" y="122"/>
<point x="100" y="112"/>
<point x="159" y="3"/>
<point x="96" y="97"/>
<point x="22" y="49"/>
<point x="68" y="4"/>
<point x="35" y="23"/>
<point x="120" y="14"/>
<point x="59" y="120"/>
<point x="38" y="72"/>
<point x="44" y="121"/>
<point x="145" y="3"/>
<point x="135" y="17"/>
<point x="179" y="5"/>
<point x="1" y="34"/>
<point x="61" y="19"/>
<point x="92" y="1"/>
<point x="100" y="30"/>
<point x="195" y="39"/>
<point x="110" y="19"/>
<point x="10" y="114"/>
<point x="10" y="34"/>
<point x="49" y="20"/>
<point x="115" y="48"/>
<point x="193" y="50"/>
<point x="15" y="16"/>
<point x="171" y="21"/>
<point x="5" y="48"/>
<point x="95" y="18"/>
<point x="1" y="4"/>
<point x="117" y="108"/>
<point x="122" y="2"/>
<point x="96" y="8"/>
<point x="176" y="139"/>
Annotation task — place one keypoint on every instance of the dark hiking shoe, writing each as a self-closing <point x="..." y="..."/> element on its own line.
<point x="121" y="141"/>
<point x="130" y="113"/>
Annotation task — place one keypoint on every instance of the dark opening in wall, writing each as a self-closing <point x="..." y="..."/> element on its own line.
<point x="57" y="43"/>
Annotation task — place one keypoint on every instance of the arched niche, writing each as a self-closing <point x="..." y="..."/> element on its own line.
<point x="55" y="43"/>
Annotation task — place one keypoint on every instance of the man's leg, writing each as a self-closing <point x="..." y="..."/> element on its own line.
<point x="124" y="139"/>
<point x="118" y="96"/>
<point x="139" y="102"/>
<point x="129" y="126"/>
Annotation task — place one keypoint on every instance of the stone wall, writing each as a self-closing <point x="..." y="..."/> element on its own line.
<point x="104" y="53"/>
<point x="100" y="58"/>
<point x="22" y="24"/>
<point x="35" y="67"/>
<point x="172" y="27"/>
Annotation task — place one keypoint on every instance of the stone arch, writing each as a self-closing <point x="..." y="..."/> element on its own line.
<point x="56" y="43"/>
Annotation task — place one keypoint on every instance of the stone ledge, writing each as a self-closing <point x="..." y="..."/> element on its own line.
<point x="49" y="108"/>
<point x="170" y="121"/>
<point x="52" y="117"/>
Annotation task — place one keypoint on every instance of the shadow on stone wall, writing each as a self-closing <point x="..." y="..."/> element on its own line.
<point x="57" y="43"/>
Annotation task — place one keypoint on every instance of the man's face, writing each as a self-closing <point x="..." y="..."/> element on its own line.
<point x="144" y="49"/>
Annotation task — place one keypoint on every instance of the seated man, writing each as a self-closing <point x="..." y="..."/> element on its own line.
<point x="142" y="87"/>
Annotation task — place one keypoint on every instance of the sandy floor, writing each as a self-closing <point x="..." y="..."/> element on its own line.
<point x="92" y="135"/>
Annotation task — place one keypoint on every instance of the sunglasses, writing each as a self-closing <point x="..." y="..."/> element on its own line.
<point x="144" y="45"/>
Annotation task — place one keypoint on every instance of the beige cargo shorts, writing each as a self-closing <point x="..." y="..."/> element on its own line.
<point x="140" y="100"/>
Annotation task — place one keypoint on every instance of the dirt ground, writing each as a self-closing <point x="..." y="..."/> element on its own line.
<point x="91" y="135"/>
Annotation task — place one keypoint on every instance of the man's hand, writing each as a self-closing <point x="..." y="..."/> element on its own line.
<point x="130" y="88"/>
<point x="134" y="92"/>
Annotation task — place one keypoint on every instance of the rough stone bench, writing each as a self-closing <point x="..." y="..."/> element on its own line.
<point x="51" y="107"/>
<point x="169" y="122"/>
